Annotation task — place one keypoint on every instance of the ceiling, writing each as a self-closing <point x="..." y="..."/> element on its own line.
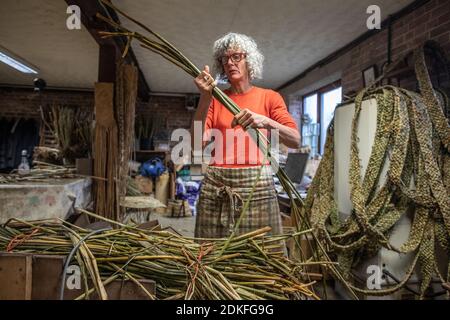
<point x="35" y="30"/>
<point x="292" y="34"/>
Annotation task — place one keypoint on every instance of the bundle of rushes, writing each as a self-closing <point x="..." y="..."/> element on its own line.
<point x="72" y="129"/>
<point x="157" y="44"/>
<point x="250" y="268"/>
<point x="41" y="174"/>
<point x="48" y="155"/>
<point x="125" y="100"/>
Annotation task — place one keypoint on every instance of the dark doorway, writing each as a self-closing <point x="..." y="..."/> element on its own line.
<point x="16" y="135"/>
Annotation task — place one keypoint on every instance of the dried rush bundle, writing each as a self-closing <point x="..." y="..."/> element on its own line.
<point x="48" y="172"/>
<point x="173" y="55"/>
<point x="249" y="268"/>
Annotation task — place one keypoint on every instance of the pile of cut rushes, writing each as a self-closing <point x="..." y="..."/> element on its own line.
<point x="165" y="49"/>
<point x="40" y="173"/>
<point x="251" y="267"/>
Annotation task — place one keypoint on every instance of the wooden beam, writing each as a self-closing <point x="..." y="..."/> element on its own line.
<point x="89" y="9"/>
<point x="107" y="63"/>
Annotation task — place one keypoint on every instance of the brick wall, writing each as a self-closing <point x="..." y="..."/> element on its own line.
<point x="428" y="22"/>
<point x="25" y="103"/>
<point x="170" y="109"/>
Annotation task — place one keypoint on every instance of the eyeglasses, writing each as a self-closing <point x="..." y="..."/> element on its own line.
<point x="235" y="57"/>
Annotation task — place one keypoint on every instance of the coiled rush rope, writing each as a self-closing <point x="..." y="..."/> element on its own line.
<point x="413" y="133"/>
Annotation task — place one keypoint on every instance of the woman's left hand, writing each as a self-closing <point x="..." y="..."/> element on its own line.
<point x="249" y="119"/>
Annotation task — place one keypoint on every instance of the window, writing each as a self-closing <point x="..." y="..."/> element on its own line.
<point x="317" y="113"/>
<point x="310" y="123"/>
<point x="329" y="102"/>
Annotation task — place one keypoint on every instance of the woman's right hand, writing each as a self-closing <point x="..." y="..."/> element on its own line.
<point x="205" y="82"/>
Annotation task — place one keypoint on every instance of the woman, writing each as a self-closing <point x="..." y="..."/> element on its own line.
<point x="230" y="176"/>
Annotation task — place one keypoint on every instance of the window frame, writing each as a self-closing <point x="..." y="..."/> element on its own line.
<point x="319" y="92"/>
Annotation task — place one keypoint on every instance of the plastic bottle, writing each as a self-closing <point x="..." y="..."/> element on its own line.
<point x="24" y="166"/>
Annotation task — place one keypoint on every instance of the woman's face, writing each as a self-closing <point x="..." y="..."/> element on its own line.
<point x="235" y="65"/>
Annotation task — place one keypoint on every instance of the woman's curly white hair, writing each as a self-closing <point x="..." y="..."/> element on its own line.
<point x="242" y="42"/>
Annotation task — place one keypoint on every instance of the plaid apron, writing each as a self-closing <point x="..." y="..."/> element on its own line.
<point x="223" y="194"/>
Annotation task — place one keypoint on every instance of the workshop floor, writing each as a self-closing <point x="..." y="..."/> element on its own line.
<point x="183" y="225"/>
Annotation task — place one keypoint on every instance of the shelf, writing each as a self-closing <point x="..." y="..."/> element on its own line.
<point x="151" y="151"/>
<point x="144" y="155"/>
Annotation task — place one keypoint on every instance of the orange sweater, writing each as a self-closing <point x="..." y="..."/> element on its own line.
<point x="238" y="148"/>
